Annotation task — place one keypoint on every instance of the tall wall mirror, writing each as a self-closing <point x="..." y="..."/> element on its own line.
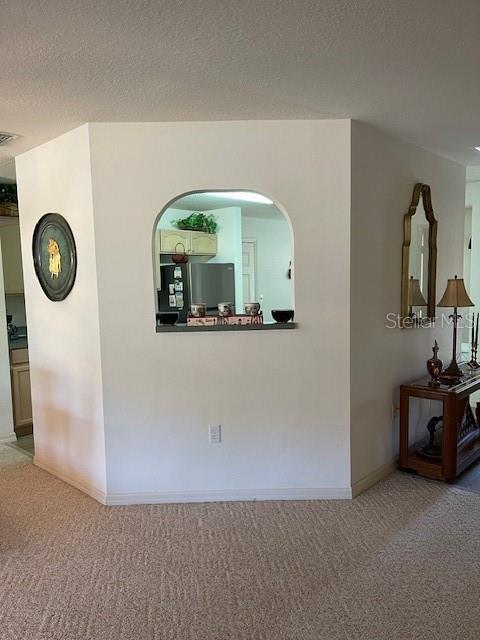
<point x="419" y="259"/>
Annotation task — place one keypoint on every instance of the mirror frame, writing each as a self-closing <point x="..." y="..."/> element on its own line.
<point x="424" y="191"/>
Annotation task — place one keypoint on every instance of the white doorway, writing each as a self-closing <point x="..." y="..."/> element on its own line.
<point x="249" y="261"/>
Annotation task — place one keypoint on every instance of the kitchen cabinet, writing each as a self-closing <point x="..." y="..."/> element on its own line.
<point x="191" y="242"/>
<point x="11" y="256"/>
<point x="21" y="392"/>
<point x="174" y="241"/>
<point x="203" y="243"/>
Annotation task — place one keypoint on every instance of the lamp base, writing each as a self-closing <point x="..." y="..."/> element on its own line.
<point x="452" y="373"/>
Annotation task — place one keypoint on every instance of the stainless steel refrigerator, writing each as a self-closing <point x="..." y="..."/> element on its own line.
<point x="208" y="282"/>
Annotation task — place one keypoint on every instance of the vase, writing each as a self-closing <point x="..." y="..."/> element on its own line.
<point x="434" y="367"/>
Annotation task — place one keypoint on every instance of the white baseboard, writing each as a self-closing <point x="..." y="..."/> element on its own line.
<point x="228" y="495"/>
<point x="97" y="494"/>
<point x="372" y="478"/>
<point x="9" y="437"/>
<point x="223" y="495"/>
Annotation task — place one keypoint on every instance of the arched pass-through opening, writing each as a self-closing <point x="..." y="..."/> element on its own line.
<point x="223" y="260"/>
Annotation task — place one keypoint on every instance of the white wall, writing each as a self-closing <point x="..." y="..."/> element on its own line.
<point x="64" y="348"/>
<point x="168" y="217"/>
<point x="274" y="253"/>
<point x="283" y="402"/>
<point x="6" y="416"/>
<point x="384" y="172"/>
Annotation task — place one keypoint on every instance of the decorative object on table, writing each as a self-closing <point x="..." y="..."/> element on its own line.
<point x="252" y="308"/>
<point x="416" y="234"/>
<point x="434" y="367"/>
<point x="225" y="309"/>
<point x="8" y="200"/>
<point x="283" y="315"/>
<point x="167" y="317"/>
<point x="212" y="321"/>
<point x="206" y="321"/>
<point x="180" y="256"/>
<point x="415" y="298"/>
<point x="54" y="256"/>
<point x="455" y="296"/>
<point x="473" y="364"/>
<point x="198" y="309"/>
<point x="198" y="221"/>
<point x="433" y="449"/>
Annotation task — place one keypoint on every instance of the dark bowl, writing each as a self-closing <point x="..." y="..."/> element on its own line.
<point x="167" y="317"/>
<point x="282" y="315"/>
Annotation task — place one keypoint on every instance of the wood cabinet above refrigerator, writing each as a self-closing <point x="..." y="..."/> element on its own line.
<point x="194" y="242"/>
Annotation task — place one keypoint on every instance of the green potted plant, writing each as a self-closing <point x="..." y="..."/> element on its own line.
<point x="198" y="221"/>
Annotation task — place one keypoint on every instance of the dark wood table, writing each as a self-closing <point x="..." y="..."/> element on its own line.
<point x="460" y="432"/>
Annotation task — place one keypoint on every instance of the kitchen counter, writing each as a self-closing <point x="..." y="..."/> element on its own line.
<point x="19" y="342"/>
<point x="183" y="328"/>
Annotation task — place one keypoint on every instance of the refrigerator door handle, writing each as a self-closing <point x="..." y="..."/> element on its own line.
<point x="190" y="288"/>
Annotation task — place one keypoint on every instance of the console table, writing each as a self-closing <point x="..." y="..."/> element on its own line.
<point x="460" y="443"/>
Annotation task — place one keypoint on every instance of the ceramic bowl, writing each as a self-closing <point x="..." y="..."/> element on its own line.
<point x="225" y="309"/>
<point x="252" y="308"/>
<point x="282" y="315"/>
<point x="167" y="317"/>
<point x="198" y="309"/>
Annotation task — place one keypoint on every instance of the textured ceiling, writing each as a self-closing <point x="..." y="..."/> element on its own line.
<point x="407" y="66"/>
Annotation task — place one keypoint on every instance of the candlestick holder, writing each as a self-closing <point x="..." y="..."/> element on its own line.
<point x="473" y="364"/>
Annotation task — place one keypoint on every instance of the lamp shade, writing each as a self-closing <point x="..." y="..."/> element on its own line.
<point x="455" y="294"/>
<point x="415" y="296"/>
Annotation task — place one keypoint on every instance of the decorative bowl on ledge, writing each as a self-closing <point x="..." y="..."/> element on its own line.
<point x="167" y="317"/>
<point x="283" y="315"/>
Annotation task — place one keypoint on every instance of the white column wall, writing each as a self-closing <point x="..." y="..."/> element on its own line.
<point x="282" y="397"/>
<point x="64" y="337"/>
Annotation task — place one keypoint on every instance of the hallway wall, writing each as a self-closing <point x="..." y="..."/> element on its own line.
<point x="384" y="172"/>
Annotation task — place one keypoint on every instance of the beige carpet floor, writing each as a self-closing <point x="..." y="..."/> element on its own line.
<point x="402" y="561"/>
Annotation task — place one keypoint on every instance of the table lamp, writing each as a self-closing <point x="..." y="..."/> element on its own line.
<point x="415" y="297"/>
<point x="455" y="296"/>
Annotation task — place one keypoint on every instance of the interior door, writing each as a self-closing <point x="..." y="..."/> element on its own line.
<point x="249" y="259"/>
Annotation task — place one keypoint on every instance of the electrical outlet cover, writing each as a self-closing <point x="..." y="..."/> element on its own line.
<point x="215" y="433"/>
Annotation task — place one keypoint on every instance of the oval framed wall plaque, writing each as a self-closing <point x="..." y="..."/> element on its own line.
<point x="54" y="256"/>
